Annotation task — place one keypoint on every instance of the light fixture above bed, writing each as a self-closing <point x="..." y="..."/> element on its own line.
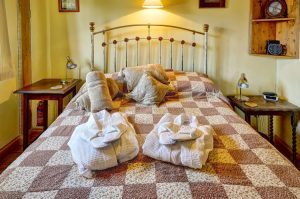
<point x="153" y="4"/>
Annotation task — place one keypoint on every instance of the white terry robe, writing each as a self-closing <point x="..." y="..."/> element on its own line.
<point x="103" y="142"/>
<point x="191" y="150"/>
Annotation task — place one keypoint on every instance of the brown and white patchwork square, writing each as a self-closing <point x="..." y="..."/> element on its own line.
<point x="78" y="193"/>
<point x="270" y="156"/>
<point x="206" y="174"/>
<point x="20" y="159"/>
<point x="111" y="177"/>
<point x="173" y="190"/>
<point x="139" y="191"/>
<point x="275" y="192"/>
<point x="143" y="119"/>
<point x="107" y="192"/>
<point x="20" y="179"/>
<point x="244" y="157"/>
<point x="224" y="129"/>
<point x="74" y="180"/>
<point x="220" y="156"/>
<point x="140" y="173"/>
<point x="231" y="174"/>
<point x="52" y="143"/>
<point x="216" y="119"/>
<point x="289" y="175"/>
<point x="50" y="178"/>
<point x="37" y="158"/>
<point x="166" y="172"/>
<point x="192" y="112"/>
<point x="45" y="194"/>
<point x="62" y="157"/>
<point x="204" y="190"/>
<point x="261" y="176"/>
<point x="234" y="142"/>
<point x="71" y="121"/>
<point x="241" y="192"/>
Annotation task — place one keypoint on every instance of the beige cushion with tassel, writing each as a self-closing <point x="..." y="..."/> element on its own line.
<point x="132" y="75"/>
<point x="149" y="91"/>
<point x="98" y="91"/>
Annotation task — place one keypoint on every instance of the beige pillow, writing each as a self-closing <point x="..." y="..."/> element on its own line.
<point x="112" y="87"/>
<point x="132" y="75"/>
<point x="83" y="102"/>
<point x="149" y="91"/>
<point x="98" y="91"/>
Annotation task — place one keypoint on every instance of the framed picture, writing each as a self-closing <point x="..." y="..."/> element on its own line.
<point x="68" y="5"/>
<point x="212" y="3"/>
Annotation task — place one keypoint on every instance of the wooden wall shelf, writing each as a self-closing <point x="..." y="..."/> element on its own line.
<point x="273" y="20"/>
<point x="286" y="30"/>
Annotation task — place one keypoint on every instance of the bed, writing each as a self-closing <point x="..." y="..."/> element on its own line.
<point x="241" y="165"/>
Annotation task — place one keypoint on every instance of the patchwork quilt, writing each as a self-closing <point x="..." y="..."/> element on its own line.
<point x="241" y="165"/>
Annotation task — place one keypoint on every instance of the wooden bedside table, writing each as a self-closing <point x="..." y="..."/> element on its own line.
<point x="269" y="108"/>
<point x="41" y="90"/>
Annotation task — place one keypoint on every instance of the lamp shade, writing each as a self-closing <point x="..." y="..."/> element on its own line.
<point x="243" y="82"/>
<point x="153" y="4"/>
<point x="70" y="64"/>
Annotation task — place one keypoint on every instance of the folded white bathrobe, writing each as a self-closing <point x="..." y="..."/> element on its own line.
<point x="103" y="142"/>
<point x="188" y="146"/>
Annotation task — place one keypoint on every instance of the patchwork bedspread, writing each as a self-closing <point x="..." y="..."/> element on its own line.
<point x="242" y="164"/>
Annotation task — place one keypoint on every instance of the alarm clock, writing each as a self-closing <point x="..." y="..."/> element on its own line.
<point x="270" y="96"/>
<point x="275" y="9"/>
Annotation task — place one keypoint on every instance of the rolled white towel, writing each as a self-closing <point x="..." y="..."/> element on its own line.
<point x="87" y="138"/>
<point x="192" y="144"/>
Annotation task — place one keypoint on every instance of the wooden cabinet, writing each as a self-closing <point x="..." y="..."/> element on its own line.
<point x="283" y="29"/>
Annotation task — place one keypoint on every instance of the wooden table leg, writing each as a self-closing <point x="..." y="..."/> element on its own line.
<point x="271" y="131"/>
<point x="45" y="115"/>
<point x="248" y="118"/>
<point x="294" y="122"/>
<point x="60" y="103"/>
<point x="26" y="120"/>
<point x="74" y="91"/>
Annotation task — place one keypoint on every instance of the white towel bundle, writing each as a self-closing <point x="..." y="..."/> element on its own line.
<point x="180" y="140"/>
<point x="102" y="142"/>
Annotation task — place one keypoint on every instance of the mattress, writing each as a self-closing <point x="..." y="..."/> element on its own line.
<point x="241" y="165"/>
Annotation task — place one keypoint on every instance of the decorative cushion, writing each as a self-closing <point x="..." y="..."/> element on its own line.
<point x="98" y="91"/>
<point x="132" y="75"/>
<point x="149" y="91"/>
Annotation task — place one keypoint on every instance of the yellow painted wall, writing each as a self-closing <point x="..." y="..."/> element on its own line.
<point x="9" y="101"/>
<point x="288" y="81"/>
<point x="228" y="53"/>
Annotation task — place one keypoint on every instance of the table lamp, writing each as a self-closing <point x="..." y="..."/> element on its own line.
<point x="242" y="83"/>
<point x="70" y="65"/>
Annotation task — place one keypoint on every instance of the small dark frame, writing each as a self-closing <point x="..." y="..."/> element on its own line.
<point x="212" y="3"/>
<point x="65" y="8"/>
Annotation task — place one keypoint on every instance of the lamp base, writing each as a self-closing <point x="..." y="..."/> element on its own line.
<point x="242" y="98"/>
<point x="64" y="81"/>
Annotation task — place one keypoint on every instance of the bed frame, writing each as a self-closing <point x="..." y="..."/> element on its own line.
<point x="148" y="38"/>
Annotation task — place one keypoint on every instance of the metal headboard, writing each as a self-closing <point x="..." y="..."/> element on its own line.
<point x="148" y="38"/>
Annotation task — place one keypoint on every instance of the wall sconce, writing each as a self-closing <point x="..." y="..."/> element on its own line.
<point x="70" y="65"/>
<point x="153" y="4"/>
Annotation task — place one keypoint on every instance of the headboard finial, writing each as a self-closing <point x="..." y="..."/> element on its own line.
<point x="92" y="26"/>
<point x="206" y="27"/>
